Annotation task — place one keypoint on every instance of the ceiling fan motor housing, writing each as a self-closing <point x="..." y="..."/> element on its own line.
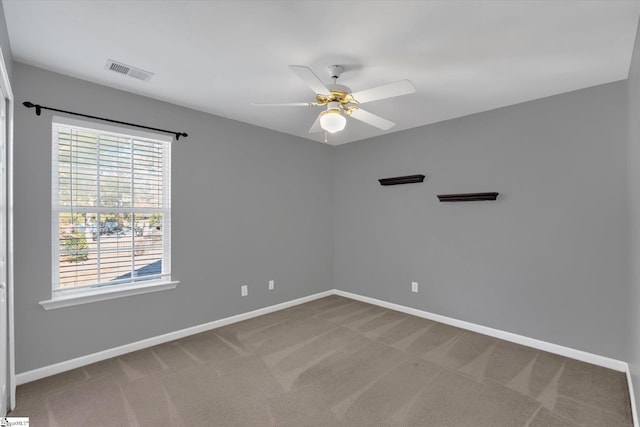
<point x="339" y="88"/>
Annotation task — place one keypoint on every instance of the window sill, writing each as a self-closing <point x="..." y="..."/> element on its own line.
<point x="106" y="294"/>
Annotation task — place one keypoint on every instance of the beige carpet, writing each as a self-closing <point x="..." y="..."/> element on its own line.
<point x="332" y="362"/>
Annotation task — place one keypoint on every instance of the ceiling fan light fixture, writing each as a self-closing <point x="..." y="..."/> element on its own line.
<point x="331" y="120"/>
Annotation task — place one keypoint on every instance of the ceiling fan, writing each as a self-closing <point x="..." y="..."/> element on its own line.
<point x="341" y="102"/>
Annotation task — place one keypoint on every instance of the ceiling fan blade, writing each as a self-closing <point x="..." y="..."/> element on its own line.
<point x="403" y="87"/>
<point x="315" y="127"/>
<point x="286" y="104"/>
<point x="306" y="75"/>
<point x="371" y="119"/>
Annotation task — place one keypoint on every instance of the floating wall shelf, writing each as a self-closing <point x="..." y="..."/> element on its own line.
<point x="410" y="179"/>
<point x="468" y="197"/>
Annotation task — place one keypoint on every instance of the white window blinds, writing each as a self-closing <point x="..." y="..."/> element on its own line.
<point x="111" y="206"/>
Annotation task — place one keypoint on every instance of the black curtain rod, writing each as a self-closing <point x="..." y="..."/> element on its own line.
<point x="39" y="109"/>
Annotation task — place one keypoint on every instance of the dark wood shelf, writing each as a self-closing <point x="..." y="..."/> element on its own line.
<point x="410" y="179"/>
<point x="467" y="197"/>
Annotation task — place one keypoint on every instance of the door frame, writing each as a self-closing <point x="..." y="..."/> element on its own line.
<point x="5" y="84"/>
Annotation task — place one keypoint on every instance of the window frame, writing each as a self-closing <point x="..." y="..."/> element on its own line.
<point x="63" y="297"/>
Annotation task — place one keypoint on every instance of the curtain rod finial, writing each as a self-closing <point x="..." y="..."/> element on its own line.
<point x="31" y="105"/>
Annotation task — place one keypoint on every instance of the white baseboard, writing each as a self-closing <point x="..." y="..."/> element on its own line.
<point x="78" y="362"/>
<point x="594" y="359"/>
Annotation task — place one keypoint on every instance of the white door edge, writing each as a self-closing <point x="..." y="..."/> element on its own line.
<point x="5" y="84"/>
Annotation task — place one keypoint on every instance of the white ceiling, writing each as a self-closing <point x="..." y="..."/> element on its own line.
<point x="463" y="57"/>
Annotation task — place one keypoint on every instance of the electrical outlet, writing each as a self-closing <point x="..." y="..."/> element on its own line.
<point x="271" y="284"/>
<point x="414" y="286"/>
<point x="244" y="290"/>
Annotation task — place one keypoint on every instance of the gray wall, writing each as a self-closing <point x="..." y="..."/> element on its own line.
<point x="4" y="42"/>
<point x="634" y="216"/>
<point x="249" y="205"/>
<point x="546" y="260"/>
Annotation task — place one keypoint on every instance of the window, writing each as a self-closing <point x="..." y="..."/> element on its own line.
<point x="111" y="210"/>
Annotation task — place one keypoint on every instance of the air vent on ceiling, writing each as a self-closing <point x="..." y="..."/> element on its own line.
<point x="128" y="70"/>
